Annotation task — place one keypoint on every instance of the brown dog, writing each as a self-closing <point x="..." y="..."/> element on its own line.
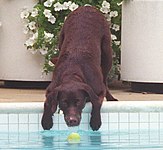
<point x="81" y="71"/>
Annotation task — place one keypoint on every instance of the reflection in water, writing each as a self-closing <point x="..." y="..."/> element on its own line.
<point x="46" y="140"/>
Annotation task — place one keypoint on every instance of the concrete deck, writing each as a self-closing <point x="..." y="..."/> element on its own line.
<point x="35" y="95"/>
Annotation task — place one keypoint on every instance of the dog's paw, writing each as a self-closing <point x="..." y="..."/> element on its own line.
<point x="95" y="123"/>
<point x="47" y="122"/>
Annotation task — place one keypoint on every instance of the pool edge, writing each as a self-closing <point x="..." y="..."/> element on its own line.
<point x="120" y="106"/>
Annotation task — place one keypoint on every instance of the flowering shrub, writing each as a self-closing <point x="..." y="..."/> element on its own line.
<point x="43" y="23"/>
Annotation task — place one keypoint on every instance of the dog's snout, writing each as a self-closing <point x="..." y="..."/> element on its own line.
<point x="72" y="121"/>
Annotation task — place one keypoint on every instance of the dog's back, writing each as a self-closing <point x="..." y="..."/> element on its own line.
<point x="84" y="45"/>
<point x="83" y="31"/>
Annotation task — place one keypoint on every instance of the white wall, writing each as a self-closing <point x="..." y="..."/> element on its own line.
<point x="16" y="63"/>
<point x="142" y="41"/>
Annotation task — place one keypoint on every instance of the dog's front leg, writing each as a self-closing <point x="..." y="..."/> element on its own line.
<point x="95" y="121"/>
<point x="49" y="109"/>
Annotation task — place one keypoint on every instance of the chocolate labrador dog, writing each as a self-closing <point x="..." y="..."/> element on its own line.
<point x="81" y="71"/>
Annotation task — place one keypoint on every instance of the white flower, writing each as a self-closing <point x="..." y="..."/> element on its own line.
<point x="65" y="18"/>
<point x="87" y="5"/>
<point x="44" y="51"/>
<point x="66" y="5"/>
<point x="108" y="18"/>
<point x="116" y="27"/>
<point x="119" y="4"/>
<point x="113" y="37"/>
<point x="56" y="51"/>
<point x="50" y="64"/>
<point x="105" y="4"/>
<point x="73" y="6"/>
<point x="48" y="36"/>
<point x="47" y="13"/>
<point x="25" y="29"/>
<point x="35" y="35"/>
<point x="58" y="6"/>
<point x="69" y="3"/>
<point x="113" y="14"/>
<point x="105" y="7"/>
<point x="105" y="10"/>
<point x="30" y="42"/>
<point x="33" y="51"/>
<point x="52" y="19"/>
<point x="117" y="43"/>
<point x="32" y="25"/>
<point x="0" y="24"/>
<point x="26" y="21"/>
<point x="25" y="13"/>
<point x="34" y="12"/>
<point x="48" y="3"/>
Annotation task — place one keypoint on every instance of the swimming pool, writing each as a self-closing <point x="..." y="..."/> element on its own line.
<point x="125" y="125"/>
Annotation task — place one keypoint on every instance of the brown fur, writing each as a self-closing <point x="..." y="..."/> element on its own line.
<point x="81" y="71"/>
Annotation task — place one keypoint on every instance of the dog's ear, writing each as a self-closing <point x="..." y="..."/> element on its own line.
<point x="50" y="106"/>
<point x="51" y="99"/>
<point x="92" y="95"/>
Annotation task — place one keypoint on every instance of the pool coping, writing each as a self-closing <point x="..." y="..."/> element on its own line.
<point x="120" y="106"/>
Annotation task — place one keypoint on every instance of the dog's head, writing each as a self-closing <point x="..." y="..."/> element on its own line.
<point x="71" y="98"/>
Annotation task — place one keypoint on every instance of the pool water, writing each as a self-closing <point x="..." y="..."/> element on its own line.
<point x="57" y="140"/>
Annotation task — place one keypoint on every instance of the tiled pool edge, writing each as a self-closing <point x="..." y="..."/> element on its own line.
<point x="117" y="116"/>
<point x="121" y="106"/>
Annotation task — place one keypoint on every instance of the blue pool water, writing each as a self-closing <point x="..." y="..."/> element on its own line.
<point x="57" y="140"/>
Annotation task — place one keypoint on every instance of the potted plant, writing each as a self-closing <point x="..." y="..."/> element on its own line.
<point x="142" y="46"/>
<point x="42" y="22"/>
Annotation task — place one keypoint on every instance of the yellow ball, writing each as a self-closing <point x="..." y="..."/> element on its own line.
<point x="73" y="138"/>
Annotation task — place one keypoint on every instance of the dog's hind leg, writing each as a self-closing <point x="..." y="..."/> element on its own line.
<point x="106" y="61"/>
